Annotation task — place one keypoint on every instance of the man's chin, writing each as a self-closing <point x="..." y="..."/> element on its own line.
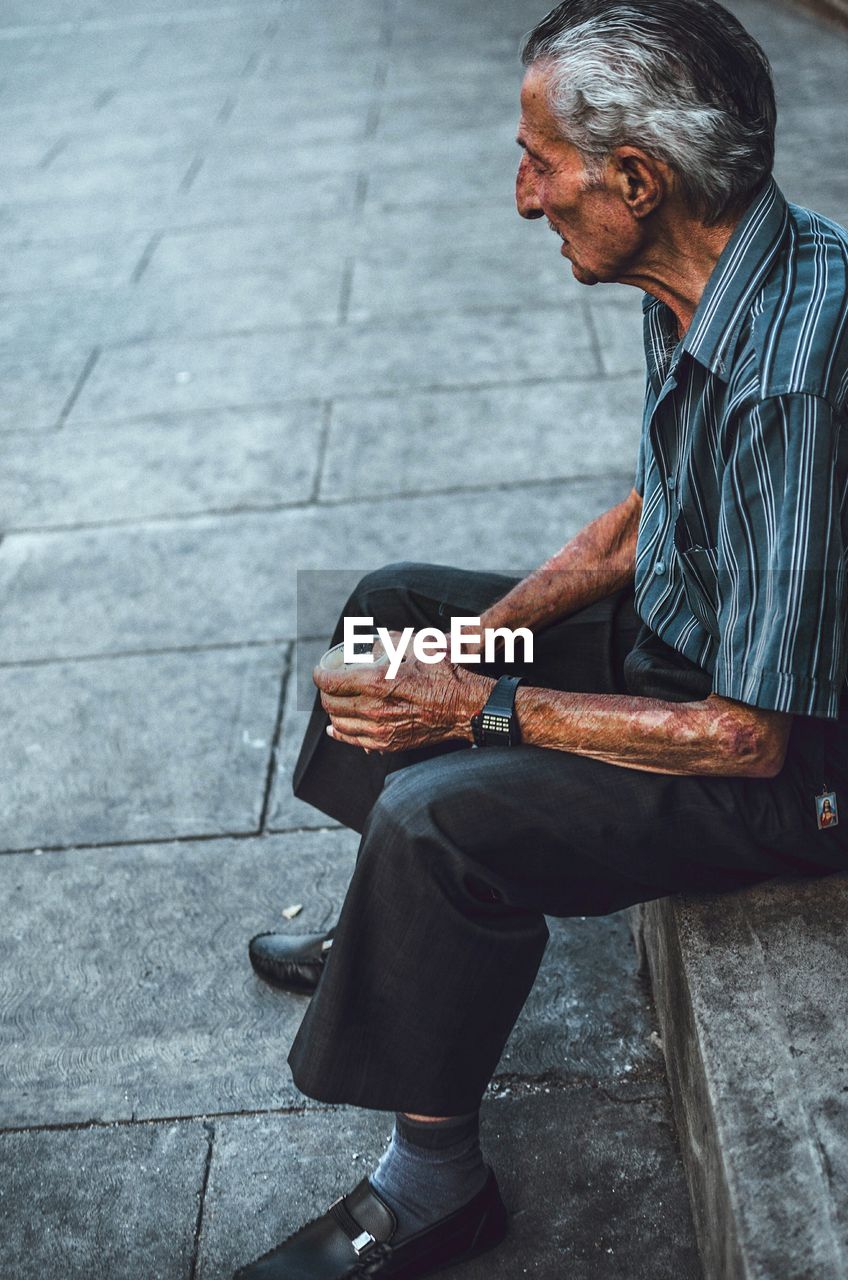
<point x="584" y="275"/>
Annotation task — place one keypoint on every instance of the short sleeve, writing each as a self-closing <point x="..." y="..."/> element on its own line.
<point x="781" y="558"/>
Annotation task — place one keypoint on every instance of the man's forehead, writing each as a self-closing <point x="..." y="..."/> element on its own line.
<point x="536" y="124"/>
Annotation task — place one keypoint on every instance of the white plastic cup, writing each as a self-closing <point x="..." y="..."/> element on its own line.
<point x="333" y="659"/>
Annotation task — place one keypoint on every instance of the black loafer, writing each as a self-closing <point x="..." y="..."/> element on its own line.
<point x="353" y="1239"/>
<point x="292" y="963"/>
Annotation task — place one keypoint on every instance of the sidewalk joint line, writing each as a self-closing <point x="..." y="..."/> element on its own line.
<point x="388" y="321"/>
<point x="500" y="1088"/>
<point x="360" y="194"/>
<point x="245" y="837"/>
<point x="198" y="1226"/>
<point x="594" y="337"/>
<point x="125" y="1122"/>
<point x="190" y="174"/>
<point x="65" y="411"/>
<point x="227" y="108"/>
<point x="273" y="755"/>
<point x="103" y="98"/>
<point x="301" y="504"/>
<point x="159" y="651"/>
<point x="138" y="61"/>
<point x="60" y="145"/>
<point x="146" y="254"/>
<point x="346" y="290"/>
<point x="321" y="456"/>
<point x="250" y="66"/>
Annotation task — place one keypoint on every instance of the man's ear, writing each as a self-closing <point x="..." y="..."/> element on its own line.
<point x="643" y="181"/>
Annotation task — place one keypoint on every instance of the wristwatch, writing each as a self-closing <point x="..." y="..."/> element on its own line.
<point x="497" y="724"/>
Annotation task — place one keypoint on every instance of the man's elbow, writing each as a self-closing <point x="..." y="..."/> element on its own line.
<point x="754" y="741"/>
<point x="770" y="765"/>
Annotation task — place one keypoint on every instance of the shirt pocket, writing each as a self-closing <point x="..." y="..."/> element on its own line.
<point x="699" y="575"/>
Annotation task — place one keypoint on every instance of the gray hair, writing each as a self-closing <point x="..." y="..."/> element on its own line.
<point x="681" y="79"/>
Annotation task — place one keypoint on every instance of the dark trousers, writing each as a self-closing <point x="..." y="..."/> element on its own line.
<point x="465" y="851"/>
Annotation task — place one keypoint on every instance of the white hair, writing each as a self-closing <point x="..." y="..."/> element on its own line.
<point x="623" y="76"/>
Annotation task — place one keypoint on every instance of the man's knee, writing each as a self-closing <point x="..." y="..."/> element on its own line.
<point x="423" y="809"/>
<point x="396" y="577"/>
<point x="403" y="808"/>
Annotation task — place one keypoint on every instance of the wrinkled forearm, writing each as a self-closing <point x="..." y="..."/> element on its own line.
<point x="716" y="736"/>
<point x="707" y="737"/>
<point x="599" y="560"/>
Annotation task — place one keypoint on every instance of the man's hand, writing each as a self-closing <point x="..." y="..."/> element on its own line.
<point x="425" y="703"/>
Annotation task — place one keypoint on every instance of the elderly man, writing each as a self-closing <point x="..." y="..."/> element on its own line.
<point x="679" y="727"/>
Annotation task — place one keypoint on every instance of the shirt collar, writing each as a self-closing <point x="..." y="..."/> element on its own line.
<point x="736" y="278"/>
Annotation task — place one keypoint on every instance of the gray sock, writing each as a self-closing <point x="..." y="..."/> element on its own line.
<point x="430" y="1169"/>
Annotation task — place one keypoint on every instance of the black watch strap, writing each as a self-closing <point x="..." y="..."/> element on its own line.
<point x="497" y="724"/>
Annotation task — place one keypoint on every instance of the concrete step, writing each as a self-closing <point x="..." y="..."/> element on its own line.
<point x="751" y="991"/>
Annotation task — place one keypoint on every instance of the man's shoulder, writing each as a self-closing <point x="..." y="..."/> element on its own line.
<point x="799" y="320"/>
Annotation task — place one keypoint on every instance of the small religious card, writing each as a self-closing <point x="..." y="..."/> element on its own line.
<point x="826" y="811"/>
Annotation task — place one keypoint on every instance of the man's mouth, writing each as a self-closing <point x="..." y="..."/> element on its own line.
<point x="558" y="233"/>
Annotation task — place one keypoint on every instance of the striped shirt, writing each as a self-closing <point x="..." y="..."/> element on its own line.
<point x="743" y="466"/>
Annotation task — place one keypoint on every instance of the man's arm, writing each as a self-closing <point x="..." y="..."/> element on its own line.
<point x="426" y="704"/>
<point x="716" y="735"/>
<point x="595" y="563"/>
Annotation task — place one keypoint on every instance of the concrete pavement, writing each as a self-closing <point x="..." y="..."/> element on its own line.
<point x="268" y="308"/>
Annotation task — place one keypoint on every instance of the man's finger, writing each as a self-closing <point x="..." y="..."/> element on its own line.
<point x="343" y="682"/>
<point x="338" y="736"/>
<point x="347" y="704"/>
<point x="353" y="727"/>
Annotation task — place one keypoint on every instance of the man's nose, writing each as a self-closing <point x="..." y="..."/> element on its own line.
<point x="526" y="200"/>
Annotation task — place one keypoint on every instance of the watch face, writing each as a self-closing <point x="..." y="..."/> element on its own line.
<point x="495" y="727"/>
<point x="496" y="724"/>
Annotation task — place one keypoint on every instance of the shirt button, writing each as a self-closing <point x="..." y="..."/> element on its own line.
<point x="670" y="481"/>
<point x="659" y="567"/>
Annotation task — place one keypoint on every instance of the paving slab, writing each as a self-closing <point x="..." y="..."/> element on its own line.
<point x="751" y="994"/>
<point x="137" y="748"/>
<point x="26" y="265"/>
<point x="38" y="384"/>
<point x="435" y="260"/>
<point x="114" y="1202"/>
<point x="491" y="179"/>
<point x="300" y="271"/>
<point x="186" y="464"/>
<point x="451" y="350"/>
<point x="343" y="117"/>
<point x="150" y="1007"/>
<point x="618" y="323"/>
<point x="541" y="432"/>
<point x="115" y="180"/>
<point x="129" y="588"/>
<point x="35" y="325"/>
<point x="603" y="1199"/>
<point x="218" y="300"/>
<point x="210" y="302"/>
<point x="78" y="216"/>
<point x="220" y="202"/>
<point x="277" y="155"/>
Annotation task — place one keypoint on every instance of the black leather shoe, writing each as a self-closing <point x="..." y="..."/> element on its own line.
<point x="292" y="963"/>
<point x="353" y="1239"/>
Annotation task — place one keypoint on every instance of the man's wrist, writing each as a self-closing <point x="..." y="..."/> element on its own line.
<point x="476" y="692"/>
